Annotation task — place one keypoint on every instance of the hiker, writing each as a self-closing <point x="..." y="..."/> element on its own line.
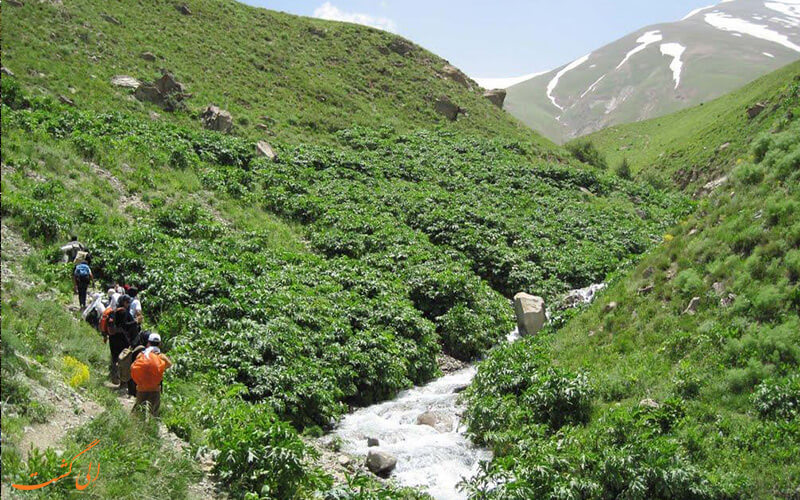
<point x="128" y="356"/>
<point x="136" y="306"/>
<point x="148" y="373"/>
<point x="72" y="248"/>
<point x="94" y="312"/>
<point x="113" y="297"/>
<point x="82" y="277"/>
<point x="121" y="328"/>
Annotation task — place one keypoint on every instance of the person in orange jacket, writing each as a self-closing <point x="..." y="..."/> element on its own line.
<point x="148" y="373"/>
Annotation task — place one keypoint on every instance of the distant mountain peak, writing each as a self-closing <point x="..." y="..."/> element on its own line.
<point x="660" y="69"/>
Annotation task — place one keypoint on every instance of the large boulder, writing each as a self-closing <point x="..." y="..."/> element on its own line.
<point x="400" y="46"/>
<point x="452" y="73"/>
<point x="530" y="313"/>
<point x="165" y="92"/>
<point x="381" y="462"/>
<point x="755" y="110"/>
<point x="264" y="149"/>
<point x="496" y="97"/>
<point x="214" y="118"/>
<point x="125" y="81"/>
<point x="439" y="421"/>
<point x="447" y="108"/>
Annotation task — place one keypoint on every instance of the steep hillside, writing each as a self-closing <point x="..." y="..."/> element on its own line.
<point x="298" y="78"/>
<point x="661" y="68"/>
<point x="683" y="379"/>
<point x="696" y="145"/>
<point x="287" y="289"/>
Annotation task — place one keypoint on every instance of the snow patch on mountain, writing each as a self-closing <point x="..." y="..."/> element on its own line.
<point x="768" y="55"/>
<point x="592" y="86"/>
<point x="674" y="50"/>
<point x="647" y="39"/>
<point x="569" y="67"/>
<point x="791" y="9"/>
<point x="728" y="23"/>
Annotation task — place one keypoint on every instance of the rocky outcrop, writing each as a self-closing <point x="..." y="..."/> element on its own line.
<point x="125" y="81"/>
<point x="214" y="118"/>
<point x="530" y="313"/>
<point x="579" y="296"/>
<point x="184" y="9"/>
<point x="6" y="71"/>
<point x="496" y="97"/>
<point x="439" y="421"/>
<point x="264" y="149"/>
<point x="166" y="92"/>
<point x="381" y="462"/>
<point x="148" y="56"/>
<point x="692" y="307"/>
<point x="755" y="110"/>
<point x="111" y="19"/>
<point x="447" y="108"/>
<point x="452" y="73"/>
<point x="400" y="46"/>
<point x="372" y="442"/>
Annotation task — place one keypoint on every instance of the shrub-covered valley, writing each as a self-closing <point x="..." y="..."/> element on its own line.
<point x="383" y="238"/>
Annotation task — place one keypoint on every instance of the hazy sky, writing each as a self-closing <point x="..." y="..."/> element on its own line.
<point x="500" y="38"/>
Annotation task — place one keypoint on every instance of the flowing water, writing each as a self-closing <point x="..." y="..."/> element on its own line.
<point x="435" y="460"/>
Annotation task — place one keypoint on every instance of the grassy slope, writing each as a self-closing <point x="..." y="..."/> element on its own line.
<point x="304" y="78"/>
<point x="726" y="378"/>
<point x="684" y="147"/>
<point x="348" y="293"/>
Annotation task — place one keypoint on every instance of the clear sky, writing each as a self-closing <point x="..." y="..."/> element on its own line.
<point x="500" y="38"/>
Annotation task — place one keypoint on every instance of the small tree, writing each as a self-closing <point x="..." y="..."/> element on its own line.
<point x="586" y="152"/>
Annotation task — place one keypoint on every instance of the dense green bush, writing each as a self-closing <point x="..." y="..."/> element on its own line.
<point x="778" y="398"/>
<point x="586" y="152"/>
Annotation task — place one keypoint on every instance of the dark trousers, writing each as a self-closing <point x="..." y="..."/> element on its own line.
<point x="83" y="285"/>
<point x="116" y="344"/>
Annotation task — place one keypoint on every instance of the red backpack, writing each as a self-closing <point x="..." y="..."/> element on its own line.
<point x="104" y="321"/>
<point x="148" y="371"/>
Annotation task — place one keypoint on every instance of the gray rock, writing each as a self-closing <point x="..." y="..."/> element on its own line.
<point x="125" y="81"/>
<point x="400" y="46"/>
<point x="718" y="287"/>
<point x="166" y="92"/>
<point x="645" y="290"/>
<point x="727" y="301"/>
<point x="724" y="146"/>
<point x="649" y="403"/>
<point x="167" y="84"/>
<point x="343" y="460"/>
<point x="66" y="100"/>
<point x="381" y="462"/>
<point x="111" y="19"/>
<point x="439" y="421"/>
<point x="6" y="71"/>
<point x="372" y="442"/>
<point x="15" y="3"/>
<point x="692" y="307"/>
<point x="444" y="106"/>
<point x="184" y="9"/>
<point x="214" y="118"/>
<point x="712" y="185"/>
<point x="755" y="110"/>
<point x="148" y="56"/>
<point x="530" y="313"/>
<point x="496" y="97"/>
<point x="610" y="307"/>
<point x="452" y="73"/>
<point x="264" y="149"/>
<point x="148" y="92"/>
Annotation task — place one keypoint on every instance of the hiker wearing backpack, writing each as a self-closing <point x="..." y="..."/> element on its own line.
<point x="128" y="356"/>
<point x="121" y="328"/>
<point x="72" y="248"/>
<point x="82" y="277"/>
<point x="136" y="306"/>
<point x="147" y="371"/>
<point x="94" y="312"/>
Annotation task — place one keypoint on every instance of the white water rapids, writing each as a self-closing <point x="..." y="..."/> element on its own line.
<point x="432" y="460"/>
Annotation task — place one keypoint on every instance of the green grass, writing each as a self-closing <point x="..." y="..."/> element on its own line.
<point x="566" y="412"/>
<point x="688" y="148"/>
<point x="304" y="78"/>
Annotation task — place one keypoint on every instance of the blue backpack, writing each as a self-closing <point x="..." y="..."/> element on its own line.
<point x="82" y="271"/>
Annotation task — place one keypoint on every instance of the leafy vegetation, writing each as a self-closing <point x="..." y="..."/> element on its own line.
<point x="685" y="386"/>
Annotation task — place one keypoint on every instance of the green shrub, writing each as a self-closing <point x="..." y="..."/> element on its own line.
<point x="624" y="169"/>
<point x="778" y="398"/>
<point x="258" y="453"/>
<point x="586" y="152"/>
<point x="689" y="283"/>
